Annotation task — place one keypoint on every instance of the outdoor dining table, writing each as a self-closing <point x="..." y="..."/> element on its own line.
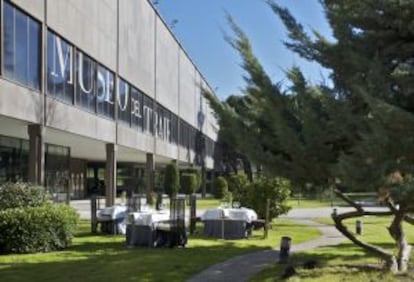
<point x="228" y="223"/>
<point x="142" y="226"/>
<point x="112" y="219"/>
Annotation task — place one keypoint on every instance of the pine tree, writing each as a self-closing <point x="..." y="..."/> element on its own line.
<point x="359" y="131"/>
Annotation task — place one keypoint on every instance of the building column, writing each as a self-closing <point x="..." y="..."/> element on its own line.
<point x="110" y="175"/>
<point x="149" y="176"/>
<point x="36" y="154"/>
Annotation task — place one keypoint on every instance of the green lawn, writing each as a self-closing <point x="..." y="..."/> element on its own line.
<point x="106" y="258"/>
<point x="208" y="203"/>
<point x="345" y="262"/>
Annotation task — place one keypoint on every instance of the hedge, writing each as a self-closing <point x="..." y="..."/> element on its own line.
<point x="37" y="229"/>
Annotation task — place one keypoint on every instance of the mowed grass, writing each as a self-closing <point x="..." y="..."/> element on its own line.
<point x="107" y="258"/>
<point x="345" y="262"/>
<point x="207" y="203"/>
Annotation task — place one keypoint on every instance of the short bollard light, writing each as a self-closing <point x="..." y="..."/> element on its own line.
<point x="358" y="227"/>
<point x="284" y="249"/>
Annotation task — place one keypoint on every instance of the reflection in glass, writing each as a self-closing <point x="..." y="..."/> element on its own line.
<point x="124" y="107"/>
<point x="148" y="115"/>
<point x="105" y="92"/>
<point x="34" y="55"/>
<point x="136" y="108"/>
<point x="59" y="68"/>
<point x="8" y="47"/>
<point x="85" y="67"/>
<point x="21" y="47"/>
<point x="57" y="171"/>
<point x="14" y="159"/>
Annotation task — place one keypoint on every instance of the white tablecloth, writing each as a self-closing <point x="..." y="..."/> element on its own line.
<point x="114" y="212"/>
<point x="230" y="213"/>
<point x="148" y="218"/>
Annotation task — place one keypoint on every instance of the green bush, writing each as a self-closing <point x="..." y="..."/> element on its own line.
<point x="17" y="195"/>
<point x="220" y="187"/>
<point x="196" y="172"/>
<point x="188" y="183"/>
<point x="238" y="186"/>
<point x="171" y="179"/>
<point x="37" y="228"/>
<point x="275" y="189"/>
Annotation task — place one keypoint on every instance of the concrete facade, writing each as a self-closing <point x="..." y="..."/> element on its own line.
<point x="130" y="40"/>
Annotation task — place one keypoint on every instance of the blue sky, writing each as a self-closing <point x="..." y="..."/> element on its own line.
<point x="201" y="25"/>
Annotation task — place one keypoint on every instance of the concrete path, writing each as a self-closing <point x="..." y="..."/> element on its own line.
<point x="309" y="213"/>
<point x="244" y="267"/>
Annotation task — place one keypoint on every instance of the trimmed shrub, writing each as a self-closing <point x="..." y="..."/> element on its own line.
<point x="17" y="195"/>
<point x="238" y="186"/>
<point x="220" y="187"/>
<point x="37" y="228"/>
<point x="196" y="172"/>
<point x="275" y="189"/>
<point x="188" y="183"/>
<point x="171" y="180"/>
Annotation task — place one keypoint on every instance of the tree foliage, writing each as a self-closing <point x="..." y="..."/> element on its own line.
<point x="188" y="183"/>
<point x="359" y="131"/>
<point x="220" y="187"/>
<point x="171" y="179"/>
<point x="277" y="190"/>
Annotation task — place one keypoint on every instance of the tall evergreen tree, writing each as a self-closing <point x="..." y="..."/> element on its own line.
<point x="372" y="61"/>
<point x="358" y="131"/>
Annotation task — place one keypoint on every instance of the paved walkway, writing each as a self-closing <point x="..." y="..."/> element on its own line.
<point x="244" y="267"/>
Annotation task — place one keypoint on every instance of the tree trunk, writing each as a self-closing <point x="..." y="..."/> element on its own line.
<point x="397" y="233"/>
<point x="391" y="262"/>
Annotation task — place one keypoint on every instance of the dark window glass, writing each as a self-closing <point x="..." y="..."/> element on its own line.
<point x="148" y="115"/>
<point x="85" y="68"/>
<point x="21" y="62"/>
<point x="192" y="137"/>
<point x="184" y="134"/>
<point x="14" y="159"/>
<point x="174" y="129"/>
<point x="8" y="29"/>
<point x="164" y="124"/>
<point x="21" y="47"/>
<point x="59" y="68"/>
<point x="136" y="108"/>
<point x="105" y="92"/>
<point x="34" y="55"/>
<point x="158" y="122"/>
<point x="167" y="125"/>
<point x="124" y="105"/>
<point x="57" y="171"/>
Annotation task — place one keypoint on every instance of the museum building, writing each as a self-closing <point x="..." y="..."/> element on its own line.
<point x="95" y="96"/>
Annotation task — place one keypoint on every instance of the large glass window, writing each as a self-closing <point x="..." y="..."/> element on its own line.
<point x="105" y="92"/>
<point x="174" y="128"/>
<point x="148" y="115"/>
<point x="162" y="123"/>
<point x="136" y="108"/>
<point x="57" y="171"/>
<point x="124" y="105"/>
<point x="184" y="134"/>
<point x="21" y="47"/>
<point x="85" y="68"/>
<point x="14" y="159"/>
<point x="34" y="55"/>
<point x="59" y="68"/>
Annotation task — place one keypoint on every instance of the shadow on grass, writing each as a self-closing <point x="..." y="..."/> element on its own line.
<point x="109" y="259"/>
<point x="345" y="259"/>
